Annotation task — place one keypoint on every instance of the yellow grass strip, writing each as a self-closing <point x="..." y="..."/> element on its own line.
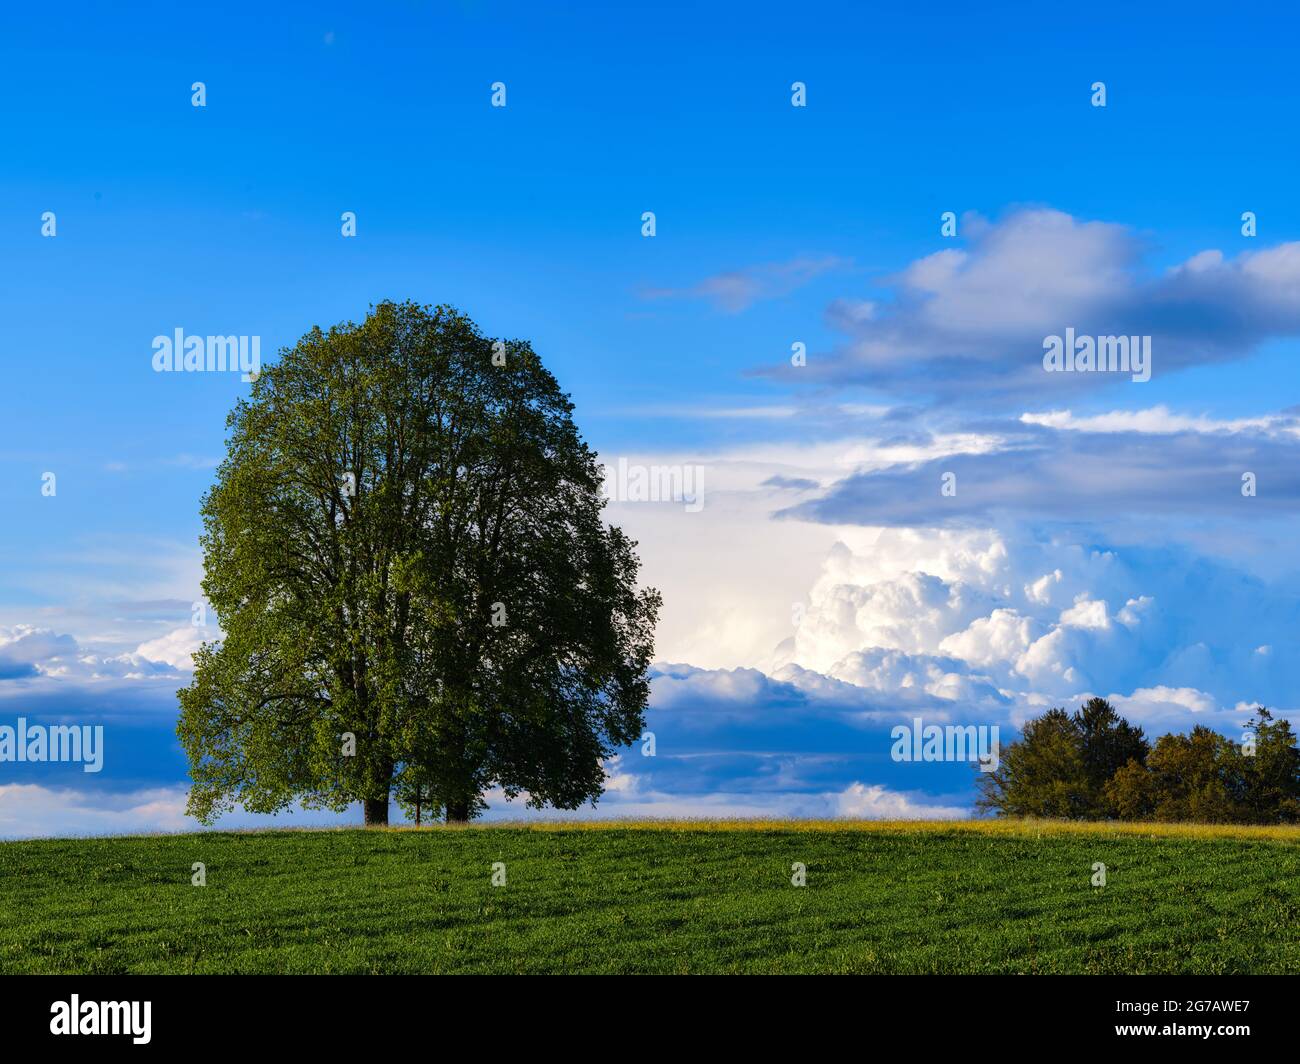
<point x="1003" y="827"/>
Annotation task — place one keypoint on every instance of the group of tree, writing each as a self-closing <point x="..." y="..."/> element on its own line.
<point x="1094" y="765"/>
<point x="417" y="591"/>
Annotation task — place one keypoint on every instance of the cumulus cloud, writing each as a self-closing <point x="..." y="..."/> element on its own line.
<point x="24" y="648"/>
<point x="177" y="647"/>
<point x="905" y="677"/>
<point x="28" y="652"/>
<point x="1160" y="704"/>
<point x="997" y="621"/>
<point x="968" y="324"/>
<point x="1004" y="635"/>
<point x="878" y="803"/>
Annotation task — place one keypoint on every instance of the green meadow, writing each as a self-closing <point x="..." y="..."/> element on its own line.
<point x="1009" y="897"/>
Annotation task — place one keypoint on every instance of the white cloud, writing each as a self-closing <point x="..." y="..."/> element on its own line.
<point x="177" y="647"/>
<point x="26" y="650"/>
<point x="863" y="802"/>
<point x="1141" y="702"/>
<point x="967" y="324"/>
<point x="1000" y="637"/>
<point x="1086" y="613"/>
<point x="32" y="811"/>
<point x="1040" y="591"/>
<point x="1158" y="420"/>
<point x="29" y="652"/>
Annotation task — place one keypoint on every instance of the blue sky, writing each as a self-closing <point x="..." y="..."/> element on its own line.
<point x="775" y="225"/>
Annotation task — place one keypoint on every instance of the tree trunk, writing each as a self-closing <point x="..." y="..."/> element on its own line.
<point x="458" y="811"/>
<point x="417" y="811"/>
<point x="376" y="812"/>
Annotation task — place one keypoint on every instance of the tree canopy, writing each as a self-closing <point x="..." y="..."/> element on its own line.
<point x="1094" y="765"/>
<point x="406" y="550"/>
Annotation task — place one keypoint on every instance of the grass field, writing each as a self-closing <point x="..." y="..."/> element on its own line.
<point x="678" y="897"/>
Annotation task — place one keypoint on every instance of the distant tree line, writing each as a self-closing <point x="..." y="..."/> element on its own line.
<point x="1095" y="765"/>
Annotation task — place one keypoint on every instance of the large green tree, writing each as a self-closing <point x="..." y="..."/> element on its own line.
<point x="1062" y="764"/>
<point x="406" y="551"/>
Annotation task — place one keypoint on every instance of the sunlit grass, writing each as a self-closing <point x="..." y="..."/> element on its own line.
<point x="662" y="896"/>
